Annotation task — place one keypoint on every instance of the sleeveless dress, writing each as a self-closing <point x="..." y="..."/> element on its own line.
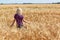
<point x="19" y="20"/>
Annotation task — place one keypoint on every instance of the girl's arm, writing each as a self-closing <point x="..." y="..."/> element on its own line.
<point x="13" y="23"/>
<point x="26" y="21"/>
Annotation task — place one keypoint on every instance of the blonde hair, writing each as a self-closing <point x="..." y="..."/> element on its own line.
<point x="19" y="9"/>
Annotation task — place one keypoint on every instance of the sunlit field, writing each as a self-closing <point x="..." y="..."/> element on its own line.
<point x="44" y="22"/>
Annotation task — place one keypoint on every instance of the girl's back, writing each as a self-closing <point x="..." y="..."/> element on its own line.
<point x="19" y="19"/>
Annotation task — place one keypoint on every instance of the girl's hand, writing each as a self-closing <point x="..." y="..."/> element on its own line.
<point x="12" y="23"/>
<point x="26" y="21"/>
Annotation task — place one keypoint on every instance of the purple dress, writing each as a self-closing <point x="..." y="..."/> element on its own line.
<point x="19" y="19"/>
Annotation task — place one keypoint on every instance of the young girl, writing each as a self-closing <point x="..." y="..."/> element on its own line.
<point x="18" y="17"/>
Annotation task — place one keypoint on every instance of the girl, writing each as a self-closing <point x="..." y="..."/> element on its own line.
<point x="18" y="17"/>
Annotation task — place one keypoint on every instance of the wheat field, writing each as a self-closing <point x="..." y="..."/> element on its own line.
<point x="44" y="22"/>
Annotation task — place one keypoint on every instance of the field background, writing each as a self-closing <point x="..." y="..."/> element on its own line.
<point x="44" y="22"/>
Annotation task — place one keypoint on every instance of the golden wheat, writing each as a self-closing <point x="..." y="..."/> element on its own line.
<point x="44" y="22"/>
